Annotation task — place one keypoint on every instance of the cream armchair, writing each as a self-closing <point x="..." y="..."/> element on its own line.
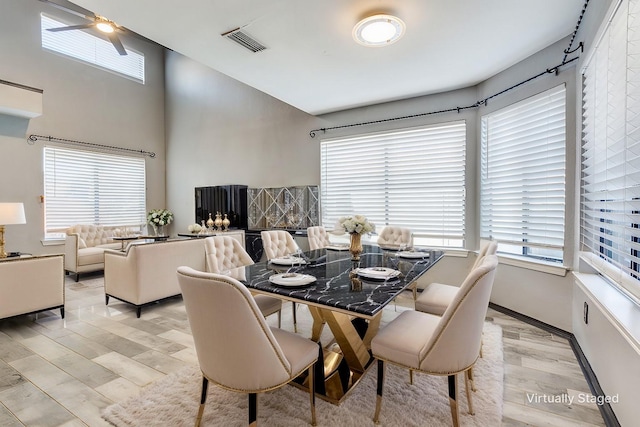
<point x="395" y="237"/>
<point x="146" y="272"/>
<point x="84" y="248"/>
<point x="236" y="349"/>
<point x="436" y="345"/>
<point x="31" y="284"/>
<point x="318" y="237"/>
<point x="225" y="255"/>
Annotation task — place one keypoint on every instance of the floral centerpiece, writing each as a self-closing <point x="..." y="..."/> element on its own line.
<point x="159" y="218"/>
<point x="356" y="226"/>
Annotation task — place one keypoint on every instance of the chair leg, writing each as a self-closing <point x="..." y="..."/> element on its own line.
<point x="203" y="400"/>
<point x="279" y="319"/>
<point x="470" y="376"/>
<point x="312" y="394"/>
<point x="453" y="400"/>
<point x="77" y="277"/>
<point x="253" y="409"/>
<point x="376" y="416"/>
<point x="468" y="388"/>
<point x="411" y="376"/>
<point x="106" y="300"/>
<point x="295" y="319"/>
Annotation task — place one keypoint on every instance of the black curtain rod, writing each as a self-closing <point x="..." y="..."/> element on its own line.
<point x="33" y="138"/>
<point x="484" y="101"/>
<point x="477" y="104"/>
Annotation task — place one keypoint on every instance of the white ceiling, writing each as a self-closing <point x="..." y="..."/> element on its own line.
<point x="313" y="63"/>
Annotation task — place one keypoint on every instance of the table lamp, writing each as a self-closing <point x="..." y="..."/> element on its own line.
<point x="10" y="213"/>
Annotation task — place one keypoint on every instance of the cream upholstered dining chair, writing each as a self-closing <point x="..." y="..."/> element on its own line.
<point x="318" y="237"/>
<point x="392" y="237"/>
<point x="439" y="345"/>
<point x="436" y="297"/>
<point x="276" y="244"/>
<point x="225" y="255"/>
<point x="236" y="348"/>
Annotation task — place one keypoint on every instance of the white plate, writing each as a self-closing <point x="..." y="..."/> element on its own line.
<point x="288" y="260"/>
<point x="413" y="254"/>
<point x="292" y="279"/>
<point x="379" y="273"/>
<point x="337" y="247"/>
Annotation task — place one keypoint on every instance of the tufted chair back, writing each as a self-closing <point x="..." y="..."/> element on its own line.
<point x="278" y="243"/>
<point x="91" y="235"/>
<point x="318" y="237"/>
<point x="226" y="253"/>
<point x="393" y="237"/>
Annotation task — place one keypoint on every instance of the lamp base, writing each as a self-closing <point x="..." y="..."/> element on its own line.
<point x="3" y="254"/>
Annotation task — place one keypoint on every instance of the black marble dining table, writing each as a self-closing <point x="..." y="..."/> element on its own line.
<point x="337" y="284"/>
<point x="350" y="304"/>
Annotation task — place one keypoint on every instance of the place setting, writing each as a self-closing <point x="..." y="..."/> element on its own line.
<point x="292" y="280"/>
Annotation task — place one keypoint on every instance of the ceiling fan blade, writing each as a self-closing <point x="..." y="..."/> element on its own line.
<point x="115" y="41"/>
<point x="71" y="27"/>
<point x="81" y="12"/>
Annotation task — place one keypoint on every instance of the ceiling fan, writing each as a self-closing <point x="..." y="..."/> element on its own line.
<point x="102" y="24"/>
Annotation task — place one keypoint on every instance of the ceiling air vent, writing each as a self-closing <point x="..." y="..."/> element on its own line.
<point x="244" y="40"/>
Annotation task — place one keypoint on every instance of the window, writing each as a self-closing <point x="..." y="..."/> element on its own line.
<point x="83" y="187"/>
<point x="610" y="193"/>
<point x="91" y="49"/>
<point x="522" y="196"/>
<point x="412" y="177"/>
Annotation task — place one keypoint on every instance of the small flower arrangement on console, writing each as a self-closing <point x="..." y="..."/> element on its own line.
<point x="357" y="224"/>
<point x="158" y="218"/>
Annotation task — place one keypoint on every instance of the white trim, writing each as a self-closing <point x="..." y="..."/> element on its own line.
<point x="620" y="311"/>
<point x="533" y="264"/>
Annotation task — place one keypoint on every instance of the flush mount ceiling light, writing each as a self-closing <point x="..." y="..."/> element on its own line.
<point x="105" y="27"/>
<point x="378" y="30"/>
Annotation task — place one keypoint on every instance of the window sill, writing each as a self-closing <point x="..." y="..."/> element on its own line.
<point x="529" y="264"/>
<point x="622" y="311"/>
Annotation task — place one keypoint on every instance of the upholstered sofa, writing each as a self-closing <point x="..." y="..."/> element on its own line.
<point x="31" y="284"/>
<point x="84" y="247"/>
<point x="146" y="272"/>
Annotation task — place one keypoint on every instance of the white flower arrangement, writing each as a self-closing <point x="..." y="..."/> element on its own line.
<point x="194" y="228"/>
<point x="357" y="224"/>
<point x="159" y="217"/>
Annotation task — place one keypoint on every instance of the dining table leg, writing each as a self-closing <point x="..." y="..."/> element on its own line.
<point x="318" y="323"/>
<point x="351" y="344"/>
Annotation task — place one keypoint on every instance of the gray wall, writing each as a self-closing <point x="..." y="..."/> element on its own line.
<point x="80" y="102"/>
<point x="220" y="131"/>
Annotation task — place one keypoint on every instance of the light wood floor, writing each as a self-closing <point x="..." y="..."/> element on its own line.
<point x="56" y="372"/>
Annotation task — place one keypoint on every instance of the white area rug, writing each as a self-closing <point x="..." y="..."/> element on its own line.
<point x="174" y="400"/>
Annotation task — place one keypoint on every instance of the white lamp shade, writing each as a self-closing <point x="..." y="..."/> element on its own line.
<point x="12" y="213"/>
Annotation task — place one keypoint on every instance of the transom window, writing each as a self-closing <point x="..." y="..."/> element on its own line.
<point x="91" y="49"/>
<point x="84" y="187"/>
<point x="413" y="178"/>
<point x="523" y="176"/>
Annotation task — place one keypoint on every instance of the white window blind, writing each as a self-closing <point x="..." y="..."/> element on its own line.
<point x="91" y="49"/>
<point x="610" y="208"/>
<point x="523" y="176"/>
<point x="83" y="187"/>
<point x="412" y="177"/>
